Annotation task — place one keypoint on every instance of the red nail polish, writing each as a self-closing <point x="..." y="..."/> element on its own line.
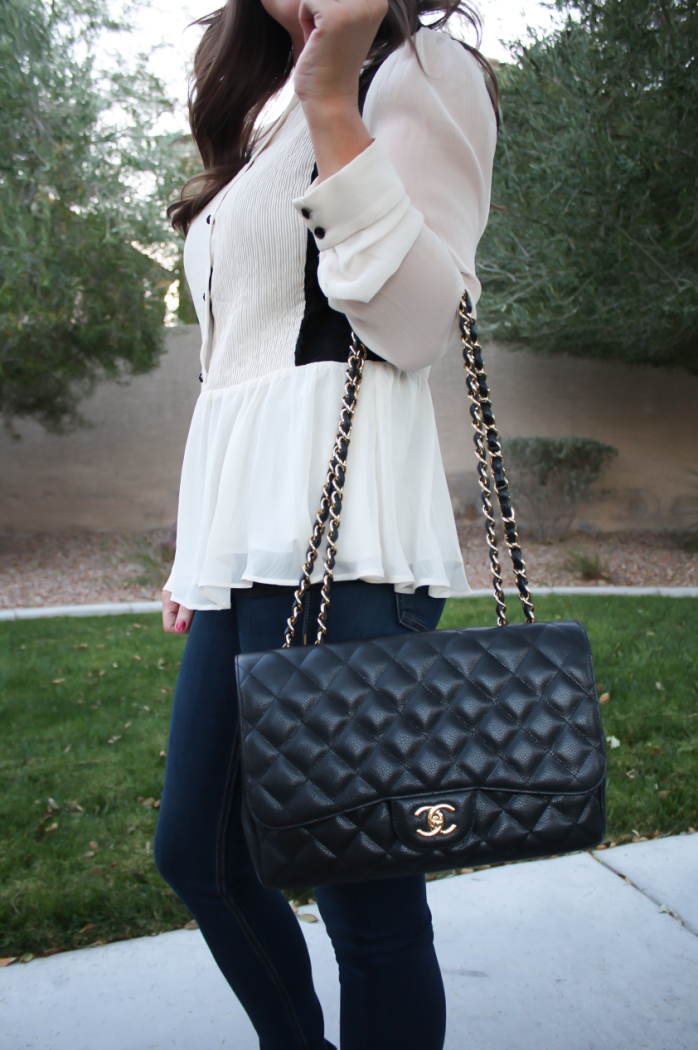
<point x="181" y="625"/>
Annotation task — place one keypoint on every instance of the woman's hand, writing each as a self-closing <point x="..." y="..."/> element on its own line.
<point x="176" y="619"/>
<point x="338" y="35"/>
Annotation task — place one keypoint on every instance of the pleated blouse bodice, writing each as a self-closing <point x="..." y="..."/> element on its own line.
<point x="279" y="267"/>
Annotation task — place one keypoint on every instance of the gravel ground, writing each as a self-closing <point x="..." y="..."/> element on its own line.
<point x="627" y="559"/>
<point x="81" y="567"/>
<point x="63" y="568"/>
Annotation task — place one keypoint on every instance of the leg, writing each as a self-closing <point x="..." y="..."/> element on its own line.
<point x="391" y="988"/>
<point x="200" y="849"/>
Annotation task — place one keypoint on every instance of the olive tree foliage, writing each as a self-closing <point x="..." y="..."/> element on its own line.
<point x="595" y="250"/>
<point x="85" y="251"/>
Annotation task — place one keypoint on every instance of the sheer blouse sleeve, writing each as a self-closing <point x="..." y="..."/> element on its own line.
<point x="397" y="227"/>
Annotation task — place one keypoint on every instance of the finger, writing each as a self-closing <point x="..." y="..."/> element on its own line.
<point x="183" y="621"/>
<point x="169" y="612"/>
<point x="306" y="17"/>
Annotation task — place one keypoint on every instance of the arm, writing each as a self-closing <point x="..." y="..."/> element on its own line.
<point x="337" y="36"/>
<point x="401" y="221"/>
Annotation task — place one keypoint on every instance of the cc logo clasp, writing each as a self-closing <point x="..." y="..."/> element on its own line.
<point x="435" y="820"/>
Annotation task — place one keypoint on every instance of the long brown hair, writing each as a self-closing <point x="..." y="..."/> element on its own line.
<point x="244" y="58"/>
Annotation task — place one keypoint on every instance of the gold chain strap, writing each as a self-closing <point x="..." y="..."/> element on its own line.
<point x="487" y="444"/>
<point x="331" y="504"/>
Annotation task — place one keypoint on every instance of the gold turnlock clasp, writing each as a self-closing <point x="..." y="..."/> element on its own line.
<point x="435" y="820"/>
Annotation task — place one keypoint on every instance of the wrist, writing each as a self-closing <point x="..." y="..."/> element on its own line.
<point x="341" y="110"/>
<point x="338" y="133"/>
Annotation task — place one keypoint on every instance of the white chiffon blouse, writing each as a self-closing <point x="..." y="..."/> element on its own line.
<point x="396" y="230"/>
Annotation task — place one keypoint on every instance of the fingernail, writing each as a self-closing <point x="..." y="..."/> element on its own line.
<point x="181" y="625"/>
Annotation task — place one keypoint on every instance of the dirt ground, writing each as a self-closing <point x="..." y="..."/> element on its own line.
<point x="648" y="559"/>
<point x="62" y="568"/>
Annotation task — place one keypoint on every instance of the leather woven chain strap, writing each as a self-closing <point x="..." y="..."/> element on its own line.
<point x="487" y="444"/>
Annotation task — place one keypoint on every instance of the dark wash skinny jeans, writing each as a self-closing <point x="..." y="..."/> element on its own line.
<point x="392" y="995"/>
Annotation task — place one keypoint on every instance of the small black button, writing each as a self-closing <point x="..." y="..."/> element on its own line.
<point x="208" y="218"/>
<point x="305" y="213"/>
<point x="204" y="296"/>
<point x="201" y="377"/>
<point x="319" y="232"/>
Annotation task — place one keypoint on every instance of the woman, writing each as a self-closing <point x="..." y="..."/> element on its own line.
<point x="361" y="206"/>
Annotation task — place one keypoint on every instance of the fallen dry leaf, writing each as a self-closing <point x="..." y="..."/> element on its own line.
<point x="604" y="698"/>
<point x="53" y="806"/>
<point x="6" y="962"/>
<point x="27" y="957"/>
<point x="659" y="685"/>
<point x="101" y="674"/>
<point x="57" y="681"/>
<point x="191" y="925"/>
<point x="93" y="845"/>
<point x="163" y="754"/>
<point x="613" y="742"/>
<point x="89" y="853"/>
<point x="90" y="926"/>
<point x="466" y="871"/>
<point x="308" y="916"/>
<point x="67" y="748"/>
<point x="52" y="827"/>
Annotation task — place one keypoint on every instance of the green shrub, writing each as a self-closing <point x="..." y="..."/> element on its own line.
<point x="550" y="477"/>
<point x="588" y="567"/>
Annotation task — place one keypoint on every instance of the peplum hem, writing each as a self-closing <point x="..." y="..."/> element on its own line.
<point x="254" y="467"/>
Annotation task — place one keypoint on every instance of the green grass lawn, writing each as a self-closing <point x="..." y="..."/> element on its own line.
<point x="84" y="708"/>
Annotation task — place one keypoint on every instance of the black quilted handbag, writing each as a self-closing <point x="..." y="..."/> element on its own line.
<point x="420" y="752"/>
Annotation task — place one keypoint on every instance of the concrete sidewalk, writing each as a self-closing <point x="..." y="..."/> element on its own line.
<point x="566" y="954"/>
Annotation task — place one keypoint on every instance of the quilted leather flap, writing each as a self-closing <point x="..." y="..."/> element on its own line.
<point x="326" y="729"/>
